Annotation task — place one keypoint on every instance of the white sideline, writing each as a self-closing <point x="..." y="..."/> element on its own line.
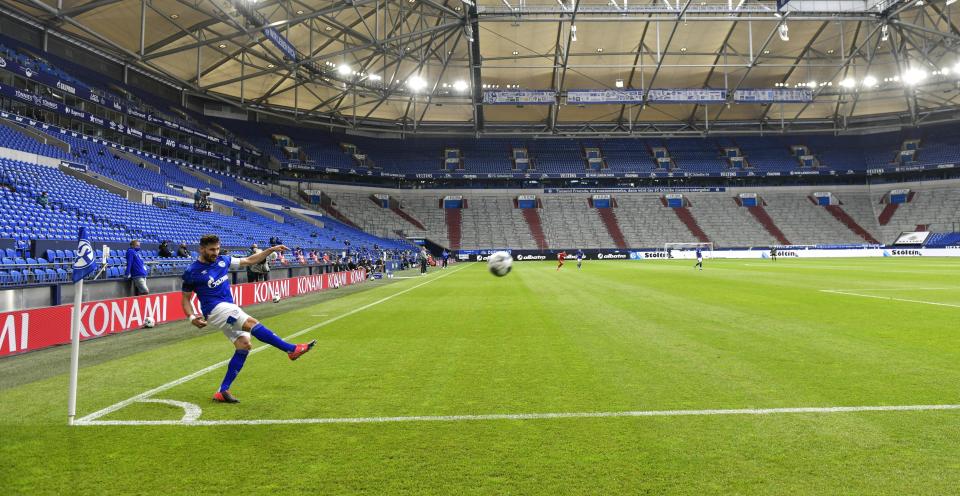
<point x="528" y="416"/>
<point x="146" y="394"/>
<point x="892" y="289"/>
<point x="888" y="298"/>
<point x="848" y="267"/>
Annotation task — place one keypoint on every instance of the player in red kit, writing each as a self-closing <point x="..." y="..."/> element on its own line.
<point x="560" y="257"/>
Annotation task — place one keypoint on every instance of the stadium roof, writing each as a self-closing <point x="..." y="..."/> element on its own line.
<point x="422" y="65"/>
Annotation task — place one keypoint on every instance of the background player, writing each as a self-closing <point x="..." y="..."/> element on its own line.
<point x="773" y="253"/>
<point x="579" y="259"/>
<point x="209" y="278"/>
<point x="560" y="258"/>
<point x="699" y="259"/>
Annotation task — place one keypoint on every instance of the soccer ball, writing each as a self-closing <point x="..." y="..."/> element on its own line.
<point x="276" y="297"/>
<point x="500" y="263"/>
<point x="148" y="322"/>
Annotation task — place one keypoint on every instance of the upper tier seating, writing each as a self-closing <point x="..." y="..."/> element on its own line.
<point x="763" y="154"/>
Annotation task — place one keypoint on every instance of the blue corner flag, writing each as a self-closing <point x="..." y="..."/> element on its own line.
<point x="86" y="261"/>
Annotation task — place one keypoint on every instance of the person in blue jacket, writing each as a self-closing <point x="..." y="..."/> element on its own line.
<point x="137" y="270"/>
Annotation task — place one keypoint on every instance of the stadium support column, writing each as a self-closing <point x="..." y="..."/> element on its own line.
<point x="472" y="30"/>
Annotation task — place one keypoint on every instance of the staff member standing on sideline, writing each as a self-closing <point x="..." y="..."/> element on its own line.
<point x="136" y="270"/>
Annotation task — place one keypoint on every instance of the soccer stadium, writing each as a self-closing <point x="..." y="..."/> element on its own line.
<point x="479" y="247"/>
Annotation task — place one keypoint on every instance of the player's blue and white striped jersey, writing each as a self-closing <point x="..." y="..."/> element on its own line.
<point x="699" y="254"/>
<point x="210" y="281"/>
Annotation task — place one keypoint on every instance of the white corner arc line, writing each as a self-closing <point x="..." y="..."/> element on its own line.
<point x="191" y="411"/>
<point x="532" y="416"/>
<point x="889" y="298"/>
<point x="146" y="394"/>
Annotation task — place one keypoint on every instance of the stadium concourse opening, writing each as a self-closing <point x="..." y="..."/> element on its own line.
<point x="538" y="247"/>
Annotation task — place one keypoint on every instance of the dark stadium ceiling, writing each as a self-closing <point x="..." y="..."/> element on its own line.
<point x="421" y="65"/>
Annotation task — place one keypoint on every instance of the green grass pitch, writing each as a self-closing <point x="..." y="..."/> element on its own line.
<point x="631" y="336"/>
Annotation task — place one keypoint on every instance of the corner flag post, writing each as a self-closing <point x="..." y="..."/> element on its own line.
<point x="84" y="264"/>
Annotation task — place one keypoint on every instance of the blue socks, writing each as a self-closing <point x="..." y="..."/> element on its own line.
<point x="260" y="332"/>
<point x="233" y="368"/>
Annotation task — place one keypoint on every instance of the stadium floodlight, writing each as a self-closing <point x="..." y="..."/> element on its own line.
<point x="618" y="83"/>
<point x="951" y="2"/>
<point x="344" y="69"/>
<point x="884" y="33"/>
<point x="784" y="32"/>
<point x="869" y="82"/>
<point x="848" y="83"/>
<point x="573" y="32"/>
<point x="956" y="69"/>
<point x="914" y="76"/>
<point x="460" y="85"/>
<point x="416" y="83"/>
<point x="374" y="77"/>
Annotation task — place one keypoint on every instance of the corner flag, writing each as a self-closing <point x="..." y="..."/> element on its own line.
<point x="85" y="263"/>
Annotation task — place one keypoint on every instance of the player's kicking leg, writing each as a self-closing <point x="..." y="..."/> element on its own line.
<point x="229" y="318"/>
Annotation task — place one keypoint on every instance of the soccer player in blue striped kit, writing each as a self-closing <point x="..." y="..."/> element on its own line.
<point x="209" y="278"/>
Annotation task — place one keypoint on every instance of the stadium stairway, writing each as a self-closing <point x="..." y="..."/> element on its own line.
<point x="336" y="214"/>
<point x="407" y="217"/>
<point x="532" y="216"/>
<point x="887" y="213"/>
<point x="613" y="227"/>
<point x="767" y="222"/>
<point x="454" y="220"/>
<point x="683" y="213"/>
<point x="844" y="218"/>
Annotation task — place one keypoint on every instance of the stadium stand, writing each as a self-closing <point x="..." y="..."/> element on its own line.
<point x="490" y="220"/>
<point x="936" y="208"/>
<point x="565" y="220"/>
<point x="695" y="156"/>
<point x="110" y="218"/>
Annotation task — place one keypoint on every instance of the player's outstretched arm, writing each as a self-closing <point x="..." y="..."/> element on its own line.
<point x="260" y="257"/>
<point x="196" y="320"/>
